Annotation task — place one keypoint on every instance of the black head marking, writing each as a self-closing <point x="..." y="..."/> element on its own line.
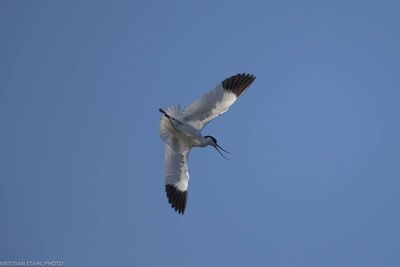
<point x="212" y="137"/>
<point x="216" y="146"/>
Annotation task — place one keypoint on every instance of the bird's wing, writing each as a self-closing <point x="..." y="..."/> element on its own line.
<point x="217" y="101"/>
<point x="176" y="174"/>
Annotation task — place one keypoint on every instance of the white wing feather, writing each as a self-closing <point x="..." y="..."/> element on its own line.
<point x="208" y="107"/>
<point x="217" y="101"/>
<point x="176" y="167"/>
<point x="177" y="174"/>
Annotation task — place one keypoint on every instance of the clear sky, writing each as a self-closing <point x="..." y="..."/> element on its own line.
<point x="315" y="176"/>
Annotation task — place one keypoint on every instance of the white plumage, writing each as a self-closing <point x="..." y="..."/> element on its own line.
<point x="180" y="130"/>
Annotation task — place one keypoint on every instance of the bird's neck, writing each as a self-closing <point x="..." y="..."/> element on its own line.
<point x="205" y="142"/>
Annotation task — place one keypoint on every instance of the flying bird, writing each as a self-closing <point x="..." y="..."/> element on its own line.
<point x="181" y="130"/>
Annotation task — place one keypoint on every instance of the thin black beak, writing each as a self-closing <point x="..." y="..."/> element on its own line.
<point x="217" y="146"/>
<point x="224" y="149"/>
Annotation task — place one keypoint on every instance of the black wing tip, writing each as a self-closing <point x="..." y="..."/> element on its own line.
<point x="238" y="83"/>
<point x="176" y="198"/>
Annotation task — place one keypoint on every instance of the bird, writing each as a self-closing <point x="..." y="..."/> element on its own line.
<point x="180" y="129"/>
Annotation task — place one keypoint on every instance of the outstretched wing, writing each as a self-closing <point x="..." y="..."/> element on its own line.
<point x="176" y="174"/>
<point x="217" y="101"/>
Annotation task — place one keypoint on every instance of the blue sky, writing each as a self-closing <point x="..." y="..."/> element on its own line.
<point x="315" y="176"/>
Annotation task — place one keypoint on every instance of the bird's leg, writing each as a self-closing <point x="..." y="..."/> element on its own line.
<point x="170" y="118"/>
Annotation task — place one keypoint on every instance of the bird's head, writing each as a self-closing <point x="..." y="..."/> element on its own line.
<point x="213" y="142"/>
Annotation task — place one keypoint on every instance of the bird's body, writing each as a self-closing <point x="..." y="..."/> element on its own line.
<point x="181" y="130"/>
<point x="177" y="127"/>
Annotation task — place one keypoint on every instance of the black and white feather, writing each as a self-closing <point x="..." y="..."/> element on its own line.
<point x="217" y="101"/>
<point x="177" y="176"/>
<point x="181" y="130"/>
